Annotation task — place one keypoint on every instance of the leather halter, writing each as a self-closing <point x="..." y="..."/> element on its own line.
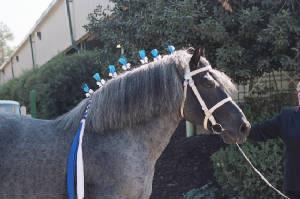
<point x="188" y="80"/>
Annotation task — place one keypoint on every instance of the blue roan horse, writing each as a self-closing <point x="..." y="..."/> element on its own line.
<point x="130" y="123"/>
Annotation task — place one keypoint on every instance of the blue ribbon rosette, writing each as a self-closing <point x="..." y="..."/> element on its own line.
<point x="143" y="57"/>
<point x="123" y="62"/>
<point x="171" y="49"/>
<point x="99" y="81"/>
<point x="155" y="54"/>
<point x="112" y="72"/>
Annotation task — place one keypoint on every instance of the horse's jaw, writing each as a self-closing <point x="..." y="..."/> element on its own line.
<point x="230" y="140"/>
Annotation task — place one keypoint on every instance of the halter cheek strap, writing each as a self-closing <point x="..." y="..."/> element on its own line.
<point x="188" y="80"/>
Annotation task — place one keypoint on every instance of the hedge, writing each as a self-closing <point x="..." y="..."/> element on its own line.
<point x="58" y="82"/>
<point x="233" y="173"/>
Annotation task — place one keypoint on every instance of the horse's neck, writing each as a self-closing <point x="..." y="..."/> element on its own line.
<point x="156" y="133"/>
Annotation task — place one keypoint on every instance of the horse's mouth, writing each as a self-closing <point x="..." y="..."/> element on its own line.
<point x="228" y="138"/>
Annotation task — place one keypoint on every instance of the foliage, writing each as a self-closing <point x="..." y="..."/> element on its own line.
<point x="236" y="178"/>
<point x="5" y="35"/>
<point x="209" y="190"/>
<point x="58" y="83"/>
<point x="257" y="36"/>
<point x="267" y="106"/>
<point x="231" y="170"/>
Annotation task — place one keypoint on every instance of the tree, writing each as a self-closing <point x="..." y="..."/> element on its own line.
<point x="5" y="35"/>
<point x="246" y="39"/>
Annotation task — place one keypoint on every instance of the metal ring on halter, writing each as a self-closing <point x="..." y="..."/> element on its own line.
<point x="217" y="128"/>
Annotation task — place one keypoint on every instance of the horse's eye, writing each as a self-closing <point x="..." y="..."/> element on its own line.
<point x="208" y="82"/>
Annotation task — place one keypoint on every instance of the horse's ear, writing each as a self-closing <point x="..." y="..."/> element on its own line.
<point x="199" y="52"/>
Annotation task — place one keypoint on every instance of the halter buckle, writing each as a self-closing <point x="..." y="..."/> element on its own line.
<point x="191" y="82"/>
<point x="187" y="76"/>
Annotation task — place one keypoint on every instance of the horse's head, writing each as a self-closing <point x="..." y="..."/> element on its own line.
<point x="208" y="100"/>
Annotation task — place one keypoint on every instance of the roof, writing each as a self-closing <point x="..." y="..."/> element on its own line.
<point x="9" y="102"/>
<point x="37" y="23"/>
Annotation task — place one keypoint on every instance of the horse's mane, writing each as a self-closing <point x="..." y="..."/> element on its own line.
<point x="136" y="96"/>
<point x="224" y="81"/>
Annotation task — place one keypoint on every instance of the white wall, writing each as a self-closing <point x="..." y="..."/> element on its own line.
<point x="80" y="10"/>
<point x="25" y="60"/>
<point x="55" y="35"/>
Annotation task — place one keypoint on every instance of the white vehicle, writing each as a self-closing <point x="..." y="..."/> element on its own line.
<point x="9" y="106"/>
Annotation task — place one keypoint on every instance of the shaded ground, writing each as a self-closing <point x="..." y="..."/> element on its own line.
<point x="184" y="165"/>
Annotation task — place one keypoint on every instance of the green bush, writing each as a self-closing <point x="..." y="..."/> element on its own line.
<point x="260" y="108"/>
<point x="209" y="190"/>
<point x="233" y="173"/>
<point x="236" y="177"/>
<point x="58" y="82"/>
<point x="258" y="36"/>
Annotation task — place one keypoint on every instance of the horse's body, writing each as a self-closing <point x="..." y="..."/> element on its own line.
<point x="130" y="123"/>
<point x="118" y="164"/>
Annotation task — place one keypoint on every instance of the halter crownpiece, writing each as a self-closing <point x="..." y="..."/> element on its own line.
<point x="188" y="80"/>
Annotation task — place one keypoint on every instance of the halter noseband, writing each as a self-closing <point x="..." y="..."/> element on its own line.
<point x="188" y="80"/>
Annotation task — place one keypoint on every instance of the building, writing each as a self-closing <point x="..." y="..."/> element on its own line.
<point x="59" y="29"/>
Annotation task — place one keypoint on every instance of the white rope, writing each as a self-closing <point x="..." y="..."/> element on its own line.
<point x="259" y="173"/>
<point x="185" y="83"/>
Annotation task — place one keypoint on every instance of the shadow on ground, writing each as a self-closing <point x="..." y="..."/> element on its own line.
<point x="185" y="164"/>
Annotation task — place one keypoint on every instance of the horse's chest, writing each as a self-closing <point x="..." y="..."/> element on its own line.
<point x="128" y="189"/>
<point x="118" y="174"/>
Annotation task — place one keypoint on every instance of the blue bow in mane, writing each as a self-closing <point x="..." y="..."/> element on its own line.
<point x="171" y="49"/>
<point x="87" y="90"/>
<point x="143" y="57"/>
<point x="123" y="61"/>
<point x="112" y="72"/>
<point x="155" y="54"/>
<point x="100" y="82"/>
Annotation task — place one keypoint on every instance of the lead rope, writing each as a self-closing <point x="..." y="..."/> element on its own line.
<point x="208" y="115"/>
<point x="260" y="174"/>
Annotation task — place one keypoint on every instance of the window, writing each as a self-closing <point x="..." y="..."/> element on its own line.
<point x="39" y="35"/>
<point x="17" y="58"/>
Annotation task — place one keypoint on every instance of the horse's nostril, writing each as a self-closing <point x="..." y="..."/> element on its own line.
<point x="245" y="128"/>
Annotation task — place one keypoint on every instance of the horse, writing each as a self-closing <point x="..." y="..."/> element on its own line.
<point x="130" y="122"/>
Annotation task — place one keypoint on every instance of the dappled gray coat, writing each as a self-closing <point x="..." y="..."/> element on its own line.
<point x="130" y="123"/>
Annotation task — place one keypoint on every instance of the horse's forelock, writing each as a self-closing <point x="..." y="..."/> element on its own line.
<point x="224" y="81"/>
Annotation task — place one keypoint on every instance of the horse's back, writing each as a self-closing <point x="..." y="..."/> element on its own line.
<point x="9" y="133"/>
<point x="30" y="164"/>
